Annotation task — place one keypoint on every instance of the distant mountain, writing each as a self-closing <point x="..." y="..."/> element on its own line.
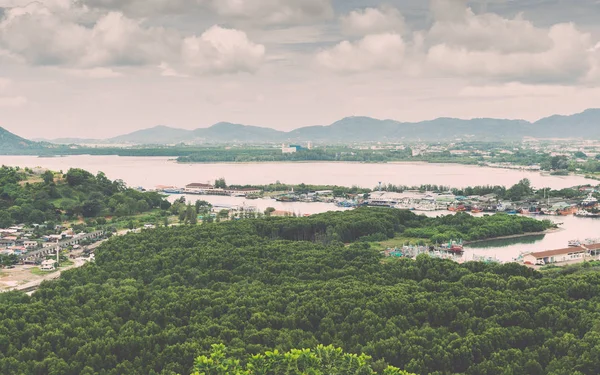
<point x="156" y="135"/>
<point x="228" y="132"/>
<point x="581" y="125"/>
<point x="11" y="143"/>
<point x="365" y="129"/>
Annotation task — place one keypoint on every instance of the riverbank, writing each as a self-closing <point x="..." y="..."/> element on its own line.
<point x="528" y="234"/>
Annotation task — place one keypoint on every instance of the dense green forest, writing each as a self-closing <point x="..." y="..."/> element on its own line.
<point x="153" y="302"/>
<point x="48" y="197"/>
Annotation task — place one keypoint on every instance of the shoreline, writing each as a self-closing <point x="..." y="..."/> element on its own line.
<point x="528" y="234"/>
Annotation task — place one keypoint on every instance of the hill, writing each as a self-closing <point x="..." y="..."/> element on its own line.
<point x="11" y="143"/>
<point x="366" y="129"/>
<point x="156" y="135"/>
<point x="155" y="302"/>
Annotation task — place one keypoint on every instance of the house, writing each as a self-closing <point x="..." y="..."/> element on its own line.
<point x="556" y="256"/>
<point x="278" y="213"/>
<point x="30" y="244"/>
<point x="197" y="188"/>
<point x="48" y="265"/>
<point x="6" y="243"/>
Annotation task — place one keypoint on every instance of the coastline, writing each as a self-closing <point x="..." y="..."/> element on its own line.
<point x="528" y="234"/>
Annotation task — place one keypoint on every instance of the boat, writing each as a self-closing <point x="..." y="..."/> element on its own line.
<point x="590" y="201"/>
<point x="172" y="191"/>
<point x="574" y="243"/>
<point x="585" y="213"/>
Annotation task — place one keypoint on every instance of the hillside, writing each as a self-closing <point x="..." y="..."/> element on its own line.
<point x="11" y="143"/>
<point x="155" y="302"/>
<point x="366" y="129"/>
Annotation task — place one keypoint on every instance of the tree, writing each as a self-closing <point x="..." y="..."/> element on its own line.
<point x="77" y="177"/>
<point x="48" y="177"/>
<point x="5" y="219"/>
<point x="321" y="360"/>
<point x="220" y="183"/>
<point x="269" y="211"/>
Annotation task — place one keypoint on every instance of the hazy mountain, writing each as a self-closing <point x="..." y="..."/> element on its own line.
<point x="156" y="135"/>
<point x="581" y="125"/>
<point x="365" y="129"/>
<point x="11" y="143"/>
<point x="228" y="132"/>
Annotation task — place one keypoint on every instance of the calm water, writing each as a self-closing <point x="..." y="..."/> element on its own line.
<point x="150" y="172"/>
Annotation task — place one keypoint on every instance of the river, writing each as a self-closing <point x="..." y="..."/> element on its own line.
<point x="152" y="171"/>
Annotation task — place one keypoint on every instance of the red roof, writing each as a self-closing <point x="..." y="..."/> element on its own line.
<point x="551" y="253"/>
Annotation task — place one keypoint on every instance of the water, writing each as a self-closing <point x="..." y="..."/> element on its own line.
<point x="152" y="171"/>
<point x="571" y="228"/>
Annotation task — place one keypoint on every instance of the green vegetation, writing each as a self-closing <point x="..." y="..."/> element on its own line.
<point x="8" y="260"/>
<point x="240" y="155"/>
<point x="154" y="301"/>
<point x="77" y="194"/>
<point x="321" y="360"/>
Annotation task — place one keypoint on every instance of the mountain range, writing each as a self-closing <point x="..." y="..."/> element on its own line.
<point x="366" y="129"/>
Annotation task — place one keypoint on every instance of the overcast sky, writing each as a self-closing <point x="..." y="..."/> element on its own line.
<point x="100" y="68"/>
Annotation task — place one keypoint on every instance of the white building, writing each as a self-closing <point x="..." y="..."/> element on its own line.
<point x="48" y="265"/>
<point x="556" y="256"/>
<point x="288" y="150"/>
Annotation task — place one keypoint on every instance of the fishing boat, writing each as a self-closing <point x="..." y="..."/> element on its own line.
<point x="590" y="201"/>
<point x="585" y="213"/>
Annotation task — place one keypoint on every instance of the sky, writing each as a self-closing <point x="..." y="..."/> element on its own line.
<point x="101" y="68"/>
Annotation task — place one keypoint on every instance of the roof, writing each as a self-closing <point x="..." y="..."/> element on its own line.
<point x="550" y="253"/>
<point x="196" y="185"/>
<point x="595" y="246"/>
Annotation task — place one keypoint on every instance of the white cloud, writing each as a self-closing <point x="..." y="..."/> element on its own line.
<point x="12" y="101"/>
<point x="373" y="21"/>
<point x="377" y="51"/>
<point x="45" y="37"/>
<point x="489" y="46"/>
<point x="565" y="60"/>
<point x="220" y="50"/>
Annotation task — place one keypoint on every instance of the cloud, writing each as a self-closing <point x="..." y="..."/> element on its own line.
<point x="4" y="83"/>
<point x="94" y="73"/>
<point x="42" y="36"/>
<point x="220" y="50"/>
<point x="377" y="51"/>
<point x="373" y="21"/>
<point x="462" y="43"/>
<point x="255" y="11"/>
<point x="12" y="101"/>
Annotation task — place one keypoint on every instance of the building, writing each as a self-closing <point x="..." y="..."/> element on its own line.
<point x="278" y="213"/>
<point x="30" y="244"/>
<point x="48" y="265"/>
<point x="288" y="150"/>
<point x="196" y="188"/>
<point x="7" y="242"/>
<point x="556" y="256"/>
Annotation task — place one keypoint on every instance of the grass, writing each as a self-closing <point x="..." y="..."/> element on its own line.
<point x="38" y="272"/>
